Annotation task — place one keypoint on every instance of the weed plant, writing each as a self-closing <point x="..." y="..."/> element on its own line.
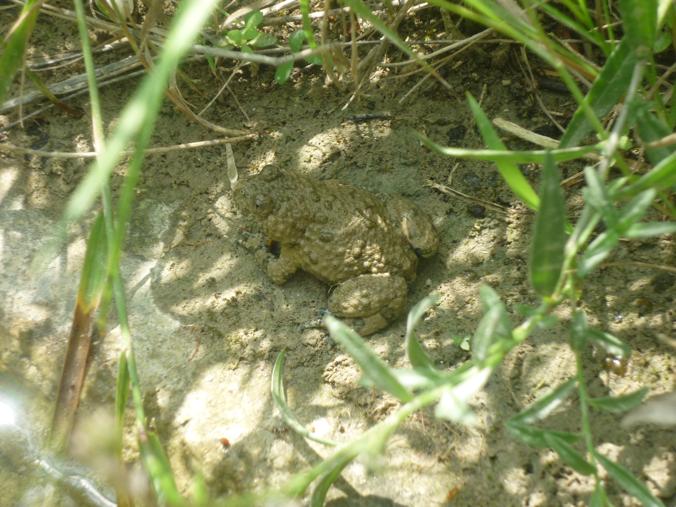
<point x="632" y="175"/>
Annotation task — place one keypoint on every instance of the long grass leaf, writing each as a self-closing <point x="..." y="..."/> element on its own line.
<point x="549" y="238"/>
<point x="279" y="397"/>
<point x="606" y="92"/>
<point x="509" y="171"/>
<point x="372" y="366"/>
<point x="511" y="156"/>
<point x="14" y="47"/>
<point x="628" y="482"/>
<point x="144" y="106"/>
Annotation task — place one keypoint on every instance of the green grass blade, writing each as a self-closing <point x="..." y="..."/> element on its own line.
<point x="415" y="352"/>
<point x="510" y="156"/>
<point x="612" y="344"/>
<point x="549" y="238"/>
<point x="279" y="397"/>
<point x="618" y="404"/>
<point x="661" y="177"/>
<point x="509" y="171"/>
<point x="606" y="92"/>
<point x="535" y="436"/>
<point x="639" y="21"/>
<point x="652" y="128"/>
<point x="15" y="46"/>
<point x="628" y="481"/>
<point x="121" y="391"/>
<point x="141" y="111"/>
<point x="545" y="405"/>
<point x="373" y="367"/>
<point x="569" y="455"/>
<point x="322" y="488"/>
<point x="158" y="467"/>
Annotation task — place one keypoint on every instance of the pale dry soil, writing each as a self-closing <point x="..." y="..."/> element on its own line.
<point x="208" y="324"/>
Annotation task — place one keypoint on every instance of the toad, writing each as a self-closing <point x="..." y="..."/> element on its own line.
<point x="365" y="246"/>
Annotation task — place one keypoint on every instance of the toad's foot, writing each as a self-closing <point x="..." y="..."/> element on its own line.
<point x="368" y="303"/>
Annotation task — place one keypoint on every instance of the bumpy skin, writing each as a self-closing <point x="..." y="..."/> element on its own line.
<point x="345" y="236"/>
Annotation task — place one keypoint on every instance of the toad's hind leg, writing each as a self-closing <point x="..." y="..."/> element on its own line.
<point x="368" y="303"/>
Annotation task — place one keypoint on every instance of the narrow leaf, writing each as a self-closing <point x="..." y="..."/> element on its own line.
<point x="121" y="390"/>
<point x="514" y="156"/>
<point x="612" y="345"/>
<point x="493" y="326"/>
<point x="660" y="177"/>
<point x="372" y="366"/>
<point x="606" y="92"/>
<point x="617" y="404"/>
<point x="415" y="352"/>
<point x="549" y="239"/>
<point x="628" y="482"/>
<point x="639" y="21"/>
<point x="650" y="229"/>
<point x="535" y="437"/>
<point x="509" y="171"/>
<point x="569" y="455"/>
<point x="15" y="46"/>
<point x="545" y="405"/>
<point x="652" y="128"/>
<point x="279" y="397"/>
<point x="319" y="494"/>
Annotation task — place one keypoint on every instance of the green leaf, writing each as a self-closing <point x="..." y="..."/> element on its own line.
<point x="509" y="171"/>
<point x="416" y="354"/>
<point x="652" y="128"/>
<point x="372" y="366"/>
<point x="549" y="239"/>
<point x="660" y="177"/>
<point x="121" y="392"/>
<point x="322" y="488"/>
<point x="545" y="405"/>
<point x="158" y="468"/>
<point x="264" y="40"/>
<point x="628" y="481"/>
<point x="612" y="345"/>
<point x="599" y="497"/>
<point x="253" y="19"/>
<point x="650" y="229"/>
<point x="235" y="37"/>
<point x="493" y="326"/>
<point x="535" y="437"/>
<point x="513" y="156"/>
<point x="453" y="403"/>
<point x="639" y="21"/>
<point x="635" y="210"/>
<point x="617" y="404"/>
<point x="282" y="72"/>
<point x="578" y="330"/>
<point x="94" y="272"/>
<point x="606" y="92"/>
<point x="597" y="196"/>
<point x="279" y="397"/>
<point x="598" y="250"/>
<point x="296" y="41"/>
<point x="569" y="455"/>
<point x="14" y="47"/>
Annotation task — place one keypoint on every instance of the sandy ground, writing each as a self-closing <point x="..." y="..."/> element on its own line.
<point x="208" y="323"/>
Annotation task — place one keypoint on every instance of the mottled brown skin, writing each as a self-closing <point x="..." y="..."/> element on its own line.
<point x="367" y="247"/>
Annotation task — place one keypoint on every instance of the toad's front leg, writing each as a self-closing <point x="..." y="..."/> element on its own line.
<point x="368" y="303"/>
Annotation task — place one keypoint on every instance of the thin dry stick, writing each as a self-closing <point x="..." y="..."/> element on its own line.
<point x="221" y="89"/>
<point x="469" y="41"/>
<point x="76" y="94"/>
<point x="10" y="148"/>
<point x="451" y="191"/>
<point x="525" y="134"/>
